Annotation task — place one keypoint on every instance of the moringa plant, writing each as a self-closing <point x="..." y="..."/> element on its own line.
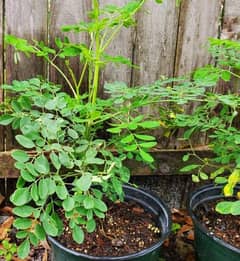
<point x="218" y="116"/>
<point x="73" y="146"/>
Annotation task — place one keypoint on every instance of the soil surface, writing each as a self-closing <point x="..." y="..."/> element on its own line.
<point x="126" y="229"/>
<point x="178" y="247"/>
<point x="225" y="227"/>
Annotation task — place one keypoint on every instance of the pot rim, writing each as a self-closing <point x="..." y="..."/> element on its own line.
<point x="191" y="207"/>
<point x="166" y="214"/>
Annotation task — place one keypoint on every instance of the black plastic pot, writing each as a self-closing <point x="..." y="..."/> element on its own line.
<point x="152" y="204"/>
<point x="207" y="246"/>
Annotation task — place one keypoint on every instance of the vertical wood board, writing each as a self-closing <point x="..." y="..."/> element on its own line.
<point x="122" y="45"/>
<point x="231" y="21"/>
<point x="25" y="19"/>
<point x="65" y="13"/>
<point x="232" y="8"/>
<point x="156" y="35"/>
<point x="231" y="30"/>
<point x="199" y="20"/>
<point x="154" y="46"/>
<point x="1" y="45"/>
<point x="1" y="69"/>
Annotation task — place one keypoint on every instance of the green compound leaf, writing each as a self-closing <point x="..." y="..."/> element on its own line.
<point x="33" y="239"/>
<point x="100" y="205"/>
<point x="68" y="204"/>
<point x="146" y="156"/>
<point x="195" y="178"/>
<point x="84" y="183"/>
<point x="189" y="167"/>
<point x="43" y="189"/>
<point x="148" y="145"/>
<point x="91" y="225"/>
<point x="236" y="208"/>
<point x="24" y="249"/>
<point x="49" y="225"/>
<point x="73" y="134"/>
<point x="21" y="234"/>
<point x="6" y="119"/>
<point x="78" y="234"/>
<point x="61" y="191"/>
<point x="88" y="202"/>
<point x="203" y="176"/>
<point x="55" y="160"/>
<point x="41" y="164"/>
<point x="20" y="155"/>
<point x="20" y="197"/>
<point x="22" y="223"/>
<point x="144" y="137"/>
<point x="39" y="231"/>
<point x="23" y="211"/>
<point x="26" y="175"/>
<point x="149" y="124"/>
<point x="127" y="139"/>
<point x="34" y="192"/>
<point x="224" y="207"/>
<point x="25" y="142"/>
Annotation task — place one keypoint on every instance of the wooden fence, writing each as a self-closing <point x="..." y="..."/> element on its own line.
<point x="168" y="40"/>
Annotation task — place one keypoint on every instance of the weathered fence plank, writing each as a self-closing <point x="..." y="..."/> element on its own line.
<point x="231" y="30"/>
<point x="1" y="69"/>
<point x="7" y="168"/>
<point x="65" y="13"/>
<point x="156" y="36"/>
<point x="154" y="45"/>
<point x="123" y="46"/>
<point x="26" y="19"/>
<point x="166" y="41"/>
<point x="199" y="20"/>
<point x="231" y="25"/>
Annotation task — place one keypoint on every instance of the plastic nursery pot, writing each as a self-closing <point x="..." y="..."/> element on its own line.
<point x="207" y="246"/>
<point x="153" y="205"/>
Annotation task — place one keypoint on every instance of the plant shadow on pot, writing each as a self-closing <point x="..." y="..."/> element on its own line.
<point x="152" y="204"/>
<point x="207" y="245"/>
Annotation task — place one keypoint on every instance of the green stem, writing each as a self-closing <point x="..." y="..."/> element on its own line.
<point x="109" y="40"/>
<point x="95" y="83"/>
<point x="235" y="75"/>
<point x="90" y="76"/>
<point x="81" y="78"/>
<point x="67" y="63"/>
<point x="113" y="35"/>
<point x="97" y="55"/>
<point x="60" y="71"/>
<point x="64" y="76"/>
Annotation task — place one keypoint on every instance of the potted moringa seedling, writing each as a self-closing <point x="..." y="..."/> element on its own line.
<point x="215" y="209"/>
<point x="71" y="186"/>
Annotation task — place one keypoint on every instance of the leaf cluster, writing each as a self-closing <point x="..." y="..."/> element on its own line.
<point x="217" y="116"/>
<point x="8" y="250"/>
<point x="65" y="163"/>
<point x="73" y="147"/>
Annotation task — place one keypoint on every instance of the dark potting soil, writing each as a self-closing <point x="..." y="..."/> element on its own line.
<point x="126" y="229"/>
<point x="225" y="227"/>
